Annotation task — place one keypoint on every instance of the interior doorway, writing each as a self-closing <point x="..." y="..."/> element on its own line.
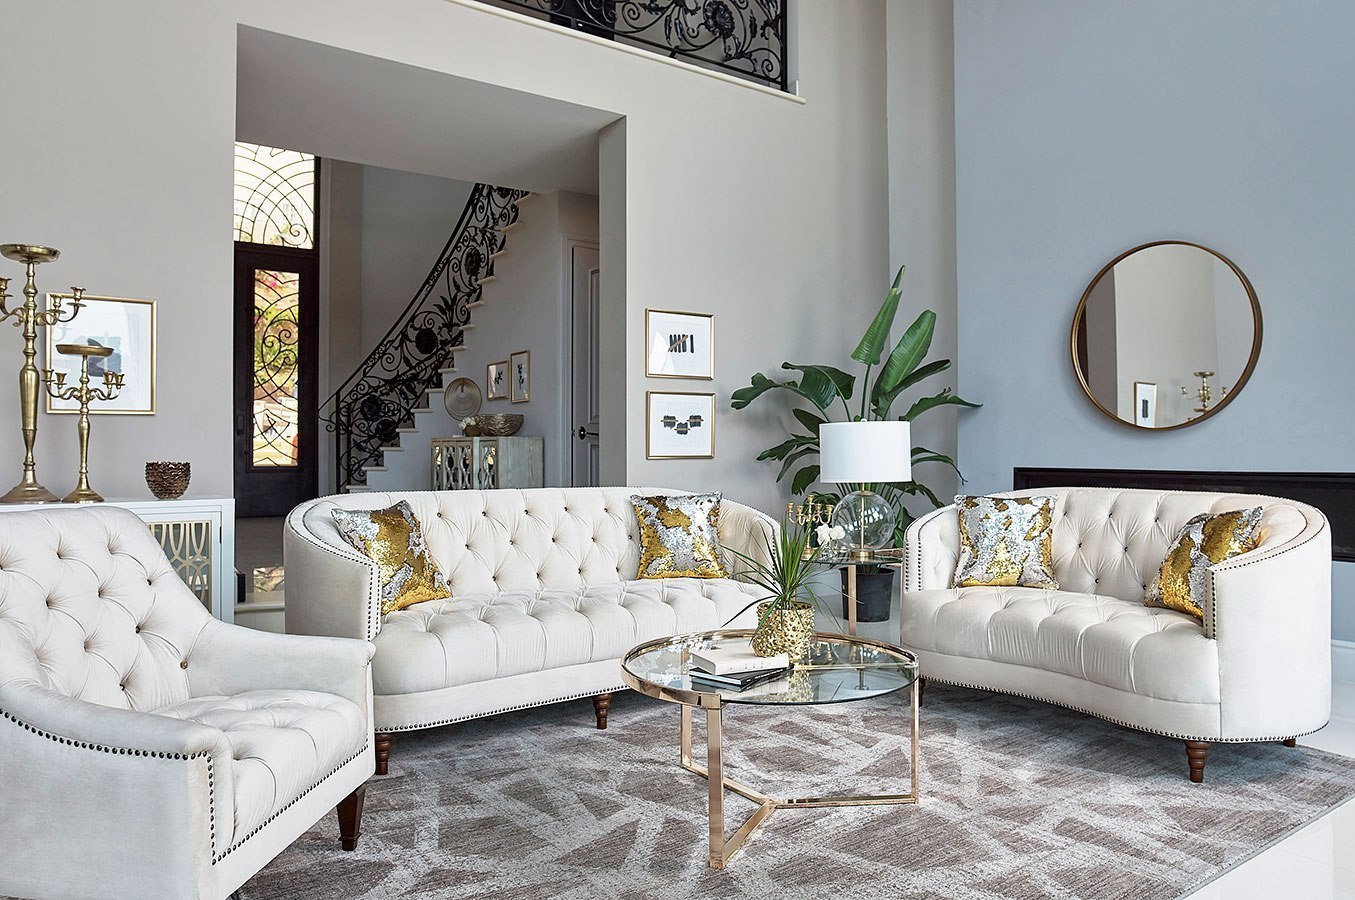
<point x="584" y="314"/>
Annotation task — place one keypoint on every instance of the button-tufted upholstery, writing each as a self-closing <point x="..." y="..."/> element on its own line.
<point x="1257" y="668"/>
<point x="545" y="597"/>
<point x="147" y="749"/>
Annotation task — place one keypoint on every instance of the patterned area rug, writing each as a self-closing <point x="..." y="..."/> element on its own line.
<point x="1020" y="800"/>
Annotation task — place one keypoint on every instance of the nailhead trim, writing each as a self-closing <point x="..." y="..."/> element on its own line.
<point x="131" y="751"/>
<point x="238" y="844"/>
<point x="391" y="729"/>
<point x="1112" y="719"/>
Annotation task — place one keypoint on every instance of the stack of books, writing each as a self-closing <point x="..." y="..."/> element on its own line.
<point x="735" y="667"/>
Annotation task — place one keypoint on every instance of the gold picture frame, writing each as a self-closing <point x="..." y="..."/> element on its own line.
<point x="520" y="376"/>
<point x="670" y="335"/>
<point x="128" y="325"/>
<point x="665" y="439"/>
<point x="496" y="380"/>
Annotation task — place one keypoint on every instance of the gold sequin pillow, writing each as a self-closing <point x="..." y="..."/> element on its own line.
<point x="1006" y="542"/>
<point x="392" y="539"/>
<point x="1201" y="542"/>
<point x="678" y="536"/>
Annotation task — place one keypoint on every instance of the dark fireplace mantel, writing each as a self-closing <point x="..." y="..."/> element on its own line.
<point x="1331" y="492"/>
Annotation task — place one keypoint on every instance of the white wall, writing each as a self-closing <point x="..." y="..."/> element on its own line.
<point x="126" y="169"/>
<point x="921" y="119"/>
<point x="767" y="211"/>
<point x="1085" y="127"/>
<point x="406" y="220"/>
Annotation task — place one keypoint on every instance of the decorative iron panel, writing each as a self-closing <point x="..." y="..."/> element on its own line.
<point x="367" y="411"/>
<point x="746" y="38"/>
<point x="274" y="196"/>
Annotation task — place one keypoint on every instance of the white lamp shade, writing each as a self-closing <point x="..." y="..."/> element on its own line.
<point x="856" y="452"/>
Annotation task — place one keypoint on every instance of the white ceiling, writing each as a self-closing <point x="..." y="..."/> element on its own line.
<point x="344" y="105"/>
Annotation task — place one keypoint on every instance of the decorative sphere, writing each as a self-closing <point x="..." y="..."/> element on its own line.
<point x="868" y="520"/>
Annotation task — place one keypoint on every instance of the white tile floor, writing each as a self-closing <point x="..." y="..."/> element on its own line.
<point x="1318" y="861"/>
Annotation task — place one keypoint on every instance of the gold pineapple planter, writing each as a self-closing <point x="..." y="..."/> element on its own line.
<point x="788" y="629"/>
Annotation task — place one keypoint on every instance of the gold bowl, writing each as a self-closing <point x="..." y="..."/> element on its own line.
<point x="498" y="424"/>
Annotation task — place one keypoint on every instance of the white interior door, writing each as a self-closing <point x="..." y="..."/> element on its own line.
<point x="584" y="310"/>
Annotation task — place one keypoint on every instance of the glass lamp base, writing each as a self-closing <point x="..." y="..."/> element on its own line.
<point x="867" y="520"/>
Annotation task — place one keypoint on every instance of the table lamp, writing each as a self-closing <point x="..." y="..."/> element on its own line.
<point x="865" y="453"/>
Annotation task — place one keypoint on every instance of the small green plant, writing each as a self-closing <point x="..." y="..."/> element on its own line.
<point x="787" y="576"/>
<point x="824" y="387"/>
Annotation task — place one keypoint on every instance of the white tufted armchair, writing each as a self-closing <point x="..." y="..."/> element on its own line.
<point x="147" y="749"/>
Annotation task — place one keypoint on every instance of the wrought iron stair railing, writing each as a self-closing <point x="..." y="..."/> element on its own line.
<point x="368" y="410"/>
<point x="745" y="38"/>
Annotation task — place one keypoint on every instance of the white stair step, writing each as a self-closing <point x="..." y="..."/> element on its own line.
<point x="451" y="371"/>
<point x="374" y="469"/>
<point x="484" y="281"/>
<point x="358" y="488"/>
<point x="504" y="252"/>
<point x="524" y="198"/>
<point x="422" y="409"/>
<point x="437" y="390"/>
<point x="475" y="303"/>
<point x="393" y="448"/>
<point x="507" y="228"/>
<point x="410" y="430"/>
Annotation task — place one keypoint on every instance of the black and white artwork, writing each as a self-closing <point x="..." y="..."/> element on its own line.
<point x="520" y="376"/>
<point x="496" y="380"/>
<point x="679" y="344"/>
<point x="680" y="425"/>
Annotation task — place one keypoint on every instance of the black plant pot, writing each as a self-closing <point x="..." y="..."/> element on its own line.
<point x="874" y="592"/>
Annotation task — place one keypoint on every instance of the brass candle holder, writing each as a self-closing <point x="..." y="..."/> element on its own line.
<point x="810" y="515"/>
<point x="30" y="319"/>
<point x="83" y="394"/>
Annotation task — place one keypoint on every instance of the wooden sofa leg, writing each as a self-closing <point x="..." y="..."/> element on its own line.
<point x="383" y="752"/>
<point x="1197" y="752"/>
<point x="602" y="703"/>
<point x="1291" y="742"/>
<point x="350" y="817"/>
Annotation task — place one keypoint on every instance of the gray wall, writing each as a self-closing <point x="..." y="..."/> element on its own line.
<point x="920" y="109"/>
<point x="1085" y="127"/>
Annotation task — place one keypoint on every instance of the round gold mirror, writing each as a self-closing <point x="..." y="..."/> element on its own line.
<point x="1166" y="335"/>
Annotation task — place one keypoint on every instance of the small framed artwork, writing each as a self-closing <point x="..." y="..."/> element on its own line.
<point x="1145" y="404"/>
<point x="679" y="344"/>
<point x="520" y="376"/>
<point x="127" y="326"/>
<point x="496" y="380"/>
<point x="679" y="425"/>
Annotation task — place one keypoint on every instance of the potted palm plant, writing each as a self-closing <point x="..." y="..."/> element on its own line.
<point x="785" y="617"/>
<point x="824" y="393"/>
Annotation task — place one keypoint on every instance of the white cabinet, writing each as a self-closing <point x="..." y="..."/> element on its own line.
<point x="485" y="463"/>
<point x="198" y="536"/>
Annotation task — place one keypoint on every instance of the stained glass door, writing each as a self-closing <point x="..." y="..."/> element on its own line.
<point x="275" y="382"/>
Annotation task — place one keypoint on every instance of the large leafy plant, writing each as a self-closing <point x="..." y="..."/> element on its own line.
<point x="824" y="387"/>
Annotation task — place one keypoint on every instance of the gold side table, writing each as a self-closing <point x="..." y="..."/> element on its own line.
<point x="839" y="669"/>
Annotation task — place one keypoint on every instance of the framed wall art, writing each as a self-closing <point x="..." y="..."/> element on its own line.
<point x="679" y="344"/>
<point x="125" y="325"/>
<point x="1145" y="404"/>
<point x="679" y="425"/>
<point x="520" y="376"/>
<point x="496" y="380"/>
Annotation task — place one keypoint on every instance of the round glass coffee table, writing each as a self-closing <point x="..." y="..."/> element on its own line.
<point x="839" y="669"/>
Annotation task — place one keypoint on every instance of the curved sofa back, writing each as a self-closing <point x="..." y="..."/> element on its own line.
<point x="1107" y="541"/>
<point x="503" y="540"/>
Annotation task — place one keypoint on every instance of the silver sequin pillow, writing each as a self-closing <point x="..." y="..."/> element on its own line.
<point x="679" y="536"/>
<point x="1006" y="542"/>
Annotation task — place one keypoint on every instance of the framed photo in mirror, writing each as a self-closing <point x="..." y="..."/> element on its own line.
<point x="1145" y="404"/>
<point x="128" y="327"/>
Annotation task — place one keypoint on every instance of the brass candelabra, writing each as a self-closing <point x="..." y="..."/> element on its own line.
<point x="30" y="319"/>
<point x="83" y="394"/>
<point x="809" y="514"/>
<point x="1204" y="393"/>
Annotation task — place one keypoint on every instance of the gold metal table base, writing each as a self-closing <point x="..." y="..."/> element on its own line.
<point x="723" y="846"/>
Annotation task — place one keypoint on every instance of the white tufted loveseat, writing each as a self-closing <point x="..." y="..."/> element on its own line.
<point x="1257" y="669"/>
<point x="545" y="599"/>
<point x="147" y="749"/>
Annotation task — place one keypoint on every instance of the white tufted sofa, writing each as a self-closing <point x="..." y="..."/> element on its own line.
<point x="1257" y="669"/>
<point x="147" y="749"/>
<point x="545" y="599"/>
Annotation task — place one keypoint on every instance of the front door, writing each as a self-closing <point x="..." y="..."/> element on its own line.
<point x="276" y="379"/>
<point x="584" y="379"/>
